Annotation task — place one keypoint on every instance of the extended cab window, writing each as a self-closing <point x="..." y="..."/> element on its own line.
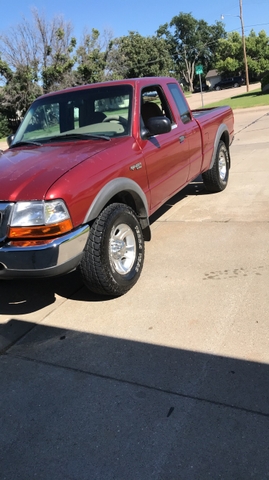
<point x="154" y="104"/>
<point x="180" y="102"/>
<point x="94" y="111"/>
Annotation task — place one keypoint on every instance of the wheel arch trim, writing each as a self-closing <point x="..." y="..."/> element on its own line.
<point x="114" y="187"/>
<point x="221" y="132"/>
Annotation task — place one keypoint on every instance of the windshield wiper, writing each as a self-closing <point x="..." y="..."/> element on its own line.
<point x="21" y="143"/>
<point x="78" y="136"/>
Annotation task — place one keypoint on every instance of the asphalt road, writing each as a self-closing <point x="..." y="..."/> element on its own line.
<point x="169" y="382"/>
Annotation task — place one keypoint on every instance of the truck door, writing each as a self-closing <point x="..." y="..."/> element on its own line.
<point x="190" y="131"/>
<point x="167" y="155"/>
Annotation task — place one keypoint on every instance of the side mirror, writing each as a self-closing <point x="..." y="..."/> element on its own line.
<point x="156" y="126"/>
<point x="10" y="139"/>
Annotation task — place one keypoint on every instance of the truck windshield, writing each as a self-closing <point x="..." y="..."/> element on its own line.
<point x="101" y="111"/>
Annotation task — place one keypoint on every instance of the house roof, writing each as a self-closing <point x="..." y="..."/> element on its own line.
<point x="212" y="73"/>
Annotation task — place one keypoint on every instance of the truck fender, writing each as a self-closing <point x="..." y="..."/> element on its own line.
<point x="222" y="134"/>
<point x="118" y="186"/>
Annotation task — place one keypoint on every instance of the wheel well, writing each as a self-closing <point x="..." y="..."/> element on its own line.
<point x="126" y="198"/>
<point x="132" y="200"/>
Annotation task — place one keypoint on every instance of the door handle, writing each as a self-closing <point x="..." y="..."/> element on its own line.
<point x="181" y="138"/>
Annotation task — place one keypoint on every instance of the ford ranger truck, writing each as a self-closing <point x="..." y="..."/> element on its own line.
<point x="87" y="168"/>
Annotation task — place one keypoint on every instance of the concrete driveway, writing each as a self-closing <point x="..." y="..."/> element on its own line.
<point x="168" y="382"/>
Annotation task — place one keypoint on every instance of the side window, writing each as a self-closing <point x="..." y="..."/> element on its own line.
<point x="180" y="102"/>
<point x="154" y="104"/>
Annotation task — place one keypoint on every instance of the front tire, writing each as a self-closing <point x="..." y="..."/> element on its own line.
<point x="114" y="254"/>
<point x="216" y="179"/>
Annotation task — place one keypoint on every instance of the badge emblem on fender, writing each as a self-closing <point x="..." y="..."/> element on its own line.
<point x="137" y="166"/>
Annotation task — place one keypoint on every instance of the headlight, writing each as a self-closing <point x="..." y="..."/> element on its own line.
<point x="39" y="219"/>
<point x="26" y="214"/>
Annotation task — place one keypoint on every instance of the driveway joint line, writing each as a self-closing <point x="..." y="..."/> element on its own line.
<point x="141" y="385"/>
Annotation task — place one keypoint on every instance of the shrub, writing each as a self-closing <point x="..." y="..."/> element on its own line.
<point x="4" y="127"/>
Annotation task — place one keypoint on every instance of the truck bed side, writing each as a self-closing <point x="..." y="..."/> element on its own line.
<point x="216" y="124"/>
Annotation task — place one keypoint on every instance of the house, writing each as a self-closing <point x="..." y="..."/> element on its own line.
<point x="212" y="77"/>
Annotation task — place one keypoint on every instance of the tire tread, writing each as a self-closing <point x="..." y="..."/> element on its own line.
<point x="95" y="273"/>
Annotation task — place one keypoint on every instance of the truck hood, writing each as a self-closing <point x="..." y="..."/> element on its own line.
<point x="26" y="173"/>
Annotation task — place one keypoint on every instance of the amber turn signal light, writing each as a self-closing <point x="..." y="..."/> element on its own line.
<point x="41" y="231"/>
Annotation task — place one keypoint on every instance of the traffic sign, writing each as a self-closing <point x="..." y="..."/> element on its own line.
<point x="199" y="69"/>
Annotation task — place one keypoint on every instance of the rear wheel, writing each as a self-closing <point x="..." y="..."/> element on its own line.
<point x="216" y="179"/>
<point x="114" y="253"/>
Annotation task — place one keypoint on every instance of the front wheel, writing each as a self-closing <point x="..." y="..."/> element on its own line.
<point x="216" y="179"/>
<point x="114" y="254"/>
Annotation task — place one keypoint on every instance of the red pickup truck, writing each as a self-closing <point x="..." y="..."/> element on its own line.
<point x="87" y="168"/>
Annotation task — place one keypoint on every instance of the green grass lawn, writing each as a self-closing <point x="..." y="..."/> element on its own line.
<point x="247" y="100"/>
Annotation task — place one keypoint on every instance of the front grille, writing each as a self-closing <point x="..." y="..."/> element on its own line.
<point x="5" y="211"/>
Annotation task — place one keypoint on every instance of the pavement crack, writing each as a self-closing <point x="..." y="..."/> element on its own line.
<point x="148" y="387"/>
<point x="252" y="123"/>
<point x="4" y="350"/>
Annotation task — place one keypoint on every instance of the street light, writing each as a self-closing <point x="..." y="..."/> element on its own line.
<point x="243" y="41"/>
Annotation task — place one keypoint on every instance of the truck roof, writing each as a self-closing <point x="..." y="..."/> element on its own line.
<point x="143" y="81"/>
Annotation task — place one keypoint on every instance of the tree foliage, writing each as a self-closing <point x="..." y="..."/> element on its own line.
<point x="55" y="51"/>
<point x="230" y="60"/>
<point x="137" y="56"/>
<point x="257" y="47"/>
<point x="19" y="92"/>
<point x="191" y="42"/>
<point x="91" y="59"/>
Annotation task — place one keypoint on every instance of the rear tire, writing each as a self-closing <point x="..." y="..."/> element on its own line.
<point x="216" y="179"/>
<point x="114" y="254"/>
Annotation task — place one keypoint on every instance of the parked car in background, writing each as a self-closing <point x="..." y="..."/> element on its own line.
<point x="231" y="82"/>
<point x="197" y="88"/>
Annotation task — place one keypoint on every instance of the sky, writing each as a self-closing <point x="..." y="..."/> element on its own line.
<point x="144" y="17"/>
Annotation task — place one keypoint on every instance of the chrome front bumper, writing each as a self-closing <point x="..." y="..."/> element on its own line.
<point x="60" y="256"/>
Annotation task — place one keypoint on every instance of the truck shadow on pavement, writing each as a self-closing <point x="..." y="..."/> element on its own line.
<point x="85" y="406"/>
<point x="195" y="188"/>
<point x="22" y="296"/>
<point x="18" y="297"/>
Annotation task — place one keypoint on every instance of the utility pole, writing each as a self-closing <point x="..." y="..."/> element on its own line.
<point x="244" y="44"/>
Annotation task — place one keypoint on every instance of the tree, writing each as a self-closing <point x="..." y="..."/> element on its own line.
<point x="5" y="75"/>
<point x="91" y="59"/>
<point x="43" y="47"/>
<point x="190" y="42"/>
<point x="19" y="47"/>
<point x="257" y="47"/>
<point x="36" y="57"/>
<point x="55" y="48"/>
<point x="16" y="96"/>
<point x="230" y="59"/>
<point x="137" y="56"/>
